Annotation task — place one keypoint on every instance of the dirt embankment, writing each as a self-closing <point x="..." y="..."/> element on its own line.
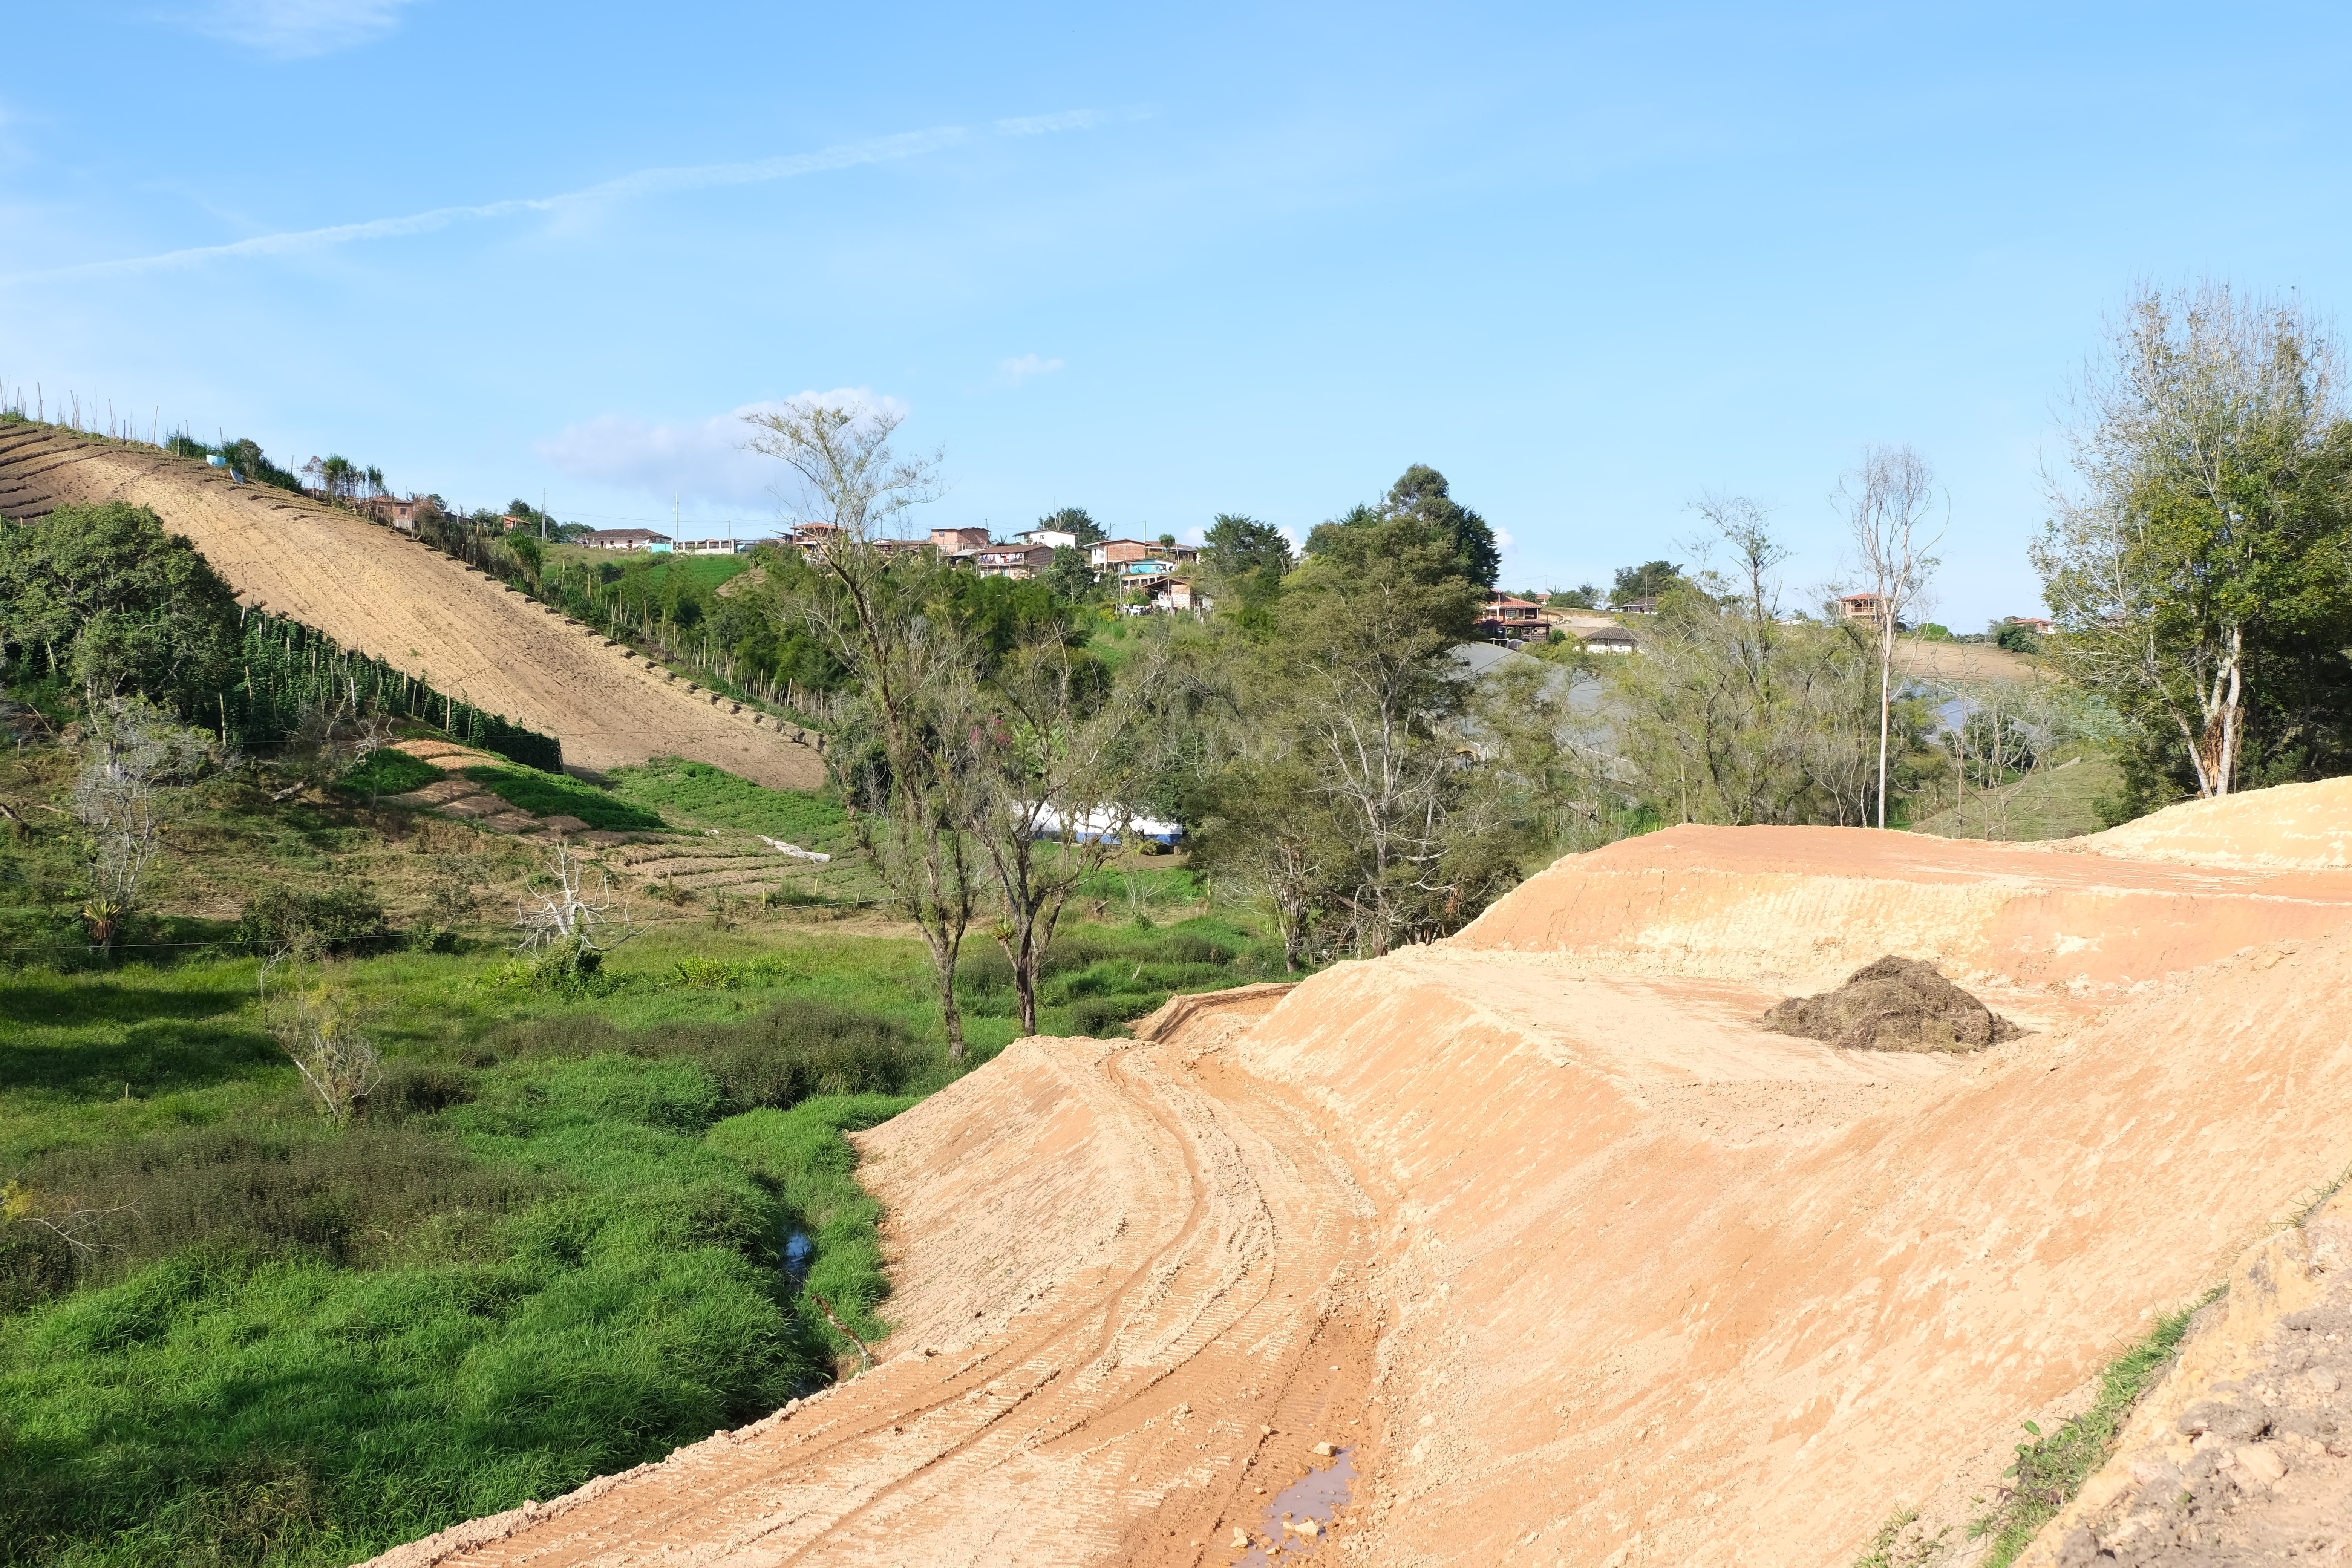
<point x="2244" y="1453"/>
<point x="378" y="592"/>
<point x="1573" y="1262"/>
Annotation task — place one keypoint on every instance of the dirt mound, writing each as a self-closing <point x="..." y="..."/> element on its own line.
<point x="2244" y="1453"/>
<point x="1893" y="1005"/>
<point x="1573" y="1262"/>
<point x="2293" y="826"/>
<point x="380" y="593"/>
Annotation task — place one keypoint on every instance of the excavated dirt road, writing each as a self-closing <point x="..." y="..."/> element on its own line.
<point x="378" y="592"/>
<point x="1577" y="1263"/>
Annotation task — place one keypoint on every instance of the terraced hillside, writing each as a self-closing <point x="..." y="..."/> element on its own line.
<point x="378" y="592"/>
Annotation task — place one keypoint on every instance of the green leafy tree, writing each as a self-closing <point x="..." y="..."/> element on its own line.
<point x="1421" y="492"/>
<point x="1583" y="597"/>
<point x="1646" y="581"/>
<point x="1361" y="692"/>
<point x="1245" y="561"/>
<point x="101" y="592"/>
<point x="1074" y="520"/>
<point x="2200" y="563"/>
<point x="1068" y="575"/>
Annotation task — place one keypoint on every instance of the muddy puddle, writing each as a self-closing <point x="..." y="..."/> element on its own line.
<point x="1316" y="1496"/>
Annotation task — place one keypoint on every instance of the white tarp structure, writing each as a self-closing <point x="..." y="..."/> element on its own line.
<point x="1107" y="825"/>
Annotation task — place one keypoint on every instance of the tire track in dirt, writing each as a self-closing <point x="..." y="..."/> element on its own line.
<point x="1184" y="1358"/>
<point x="378" y="592"/>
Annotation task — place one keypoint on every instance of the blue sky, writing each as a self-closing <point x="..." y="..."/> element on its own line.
<point x="1589" y="262"/>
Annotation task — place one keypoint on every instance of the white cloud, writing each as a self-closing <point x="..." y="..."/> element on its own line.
<point x="1041" y="124"/>
<point x="644" y="183"/>
<point x="298" y="29"/>
<point x="1196" y="536"/>
<point x="1014" y="371"/>
<point x="1503" y="542"/>
<point x="701" y="460"/>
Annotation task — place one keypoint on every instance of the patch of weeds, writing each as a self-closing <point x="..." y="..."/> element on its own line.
<point x="1888" y="1549"/>
<point x="2319" y="1199"/>
<point x="390" y="772"/>
<point x="334" y="920"/>
<point x="2052" y="1468"/>
<point x="771" y="1060"/>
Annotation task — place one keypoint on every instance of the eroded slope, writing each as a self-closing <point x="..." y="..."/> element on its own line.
<point x="377" y="591"/>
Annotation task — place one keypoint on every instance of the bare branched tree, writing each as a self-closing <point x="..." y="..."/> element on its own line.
<point x="335" y="733"/>
<point x="896" y="758"/>
<point x="1890" y="503"/>
<point x="136" y="762"/>
<point x="565" y="920"/>
<point x="19" y="1203"/>
<point x="320" y="1027"/>
<point x="1053" y="764"/>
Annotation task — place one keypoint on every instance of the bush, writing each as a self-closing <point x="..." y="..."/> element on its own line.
<point x="256" y="1192"/>
<point x="334" y="921"/>
<point x="2017" y="638"/>
<point x="1106" y="1017"/>
<point x="775" y="1059"/>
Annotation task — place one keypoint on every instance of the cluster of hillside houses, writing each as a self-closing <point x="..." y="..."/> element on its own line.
<point x="1149" y="576"/>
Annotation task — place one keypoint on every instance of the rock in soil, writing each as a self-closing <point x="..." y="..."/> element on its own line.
<point x="1893" y="1005"/>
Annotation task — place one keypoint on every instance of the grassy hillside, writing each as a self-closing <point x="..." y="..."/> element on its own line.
<point x="2059" y="800"/>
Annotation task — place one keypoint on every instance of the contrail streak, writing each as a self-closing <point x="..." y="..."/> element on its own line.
<point x="644" y="183"/>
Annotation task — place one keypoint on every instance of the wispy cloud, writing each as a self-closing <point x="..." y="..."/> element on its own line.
<point x="644" y="183"/>
<point x="1014" y="371"/>
<point x="296" y="29"/>
<point x="701" y="460"/>
<point x="1040" y="124"/>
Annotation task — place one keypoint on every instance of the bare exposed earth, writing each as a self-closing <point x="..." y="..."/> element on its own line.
<point x="378" y="592"/>
<point x="2243" y="1454"/>
<point x="1569" y="1260"/>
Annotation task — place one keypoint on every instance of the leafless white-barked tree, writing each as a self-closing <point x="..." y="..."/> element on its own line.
<point x="1891" y="503"/>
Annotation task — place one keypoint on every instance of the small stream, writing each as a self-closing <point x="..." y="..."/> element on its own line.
<point x="800" y="1250"/>
<point x="1317" y="1495"/>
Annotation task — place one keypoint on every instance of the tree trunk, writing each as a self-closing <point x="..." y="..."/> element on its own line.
<point x="950" y="1016"/>
<point x="2215" y="751"/>
<point x="1026" y="962"/>
<point x="1885" y="701"/>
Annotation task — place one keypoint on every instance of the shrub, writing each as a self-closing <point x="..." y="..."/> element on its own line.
<point x="260" y="1191"/>
<point x="1106" y="1017"/>
<point x="281" y="919"/>
<point x="2017" y="638"/>
<point x="774" y="1060"/>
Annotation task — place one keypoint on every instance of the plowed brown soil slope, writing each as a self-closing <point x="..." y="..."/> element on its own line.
<point x="378" y="592"/>
<point x="1578" y="1265"/>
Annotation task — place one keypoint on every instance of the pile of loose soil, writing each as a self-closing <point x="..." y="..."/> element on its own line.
<point x="1893" y="1005"/>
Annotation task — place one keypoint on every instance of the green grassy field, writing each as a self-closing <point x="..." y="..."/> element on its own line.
<point x="552" y="1242"/>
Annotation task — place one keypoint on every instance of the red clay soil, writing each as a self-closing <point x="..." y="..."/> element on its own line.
<point x="378" y="592"/>
<point x="1578" y="1264"/>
